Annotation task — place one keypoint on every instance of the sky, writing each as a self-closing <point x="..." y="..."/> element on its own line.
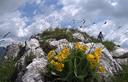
<point x="23" y="18"/>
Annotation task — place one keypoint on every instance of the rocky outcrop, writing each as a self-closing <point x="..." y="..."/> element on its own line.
<point x="111" y="65"/>
<point x="120" y="55"/>
<point x="37" y="66"/>
<point x="12" y="51"/>
<point x="31" y="60"/>
<point x="78" y="36"/>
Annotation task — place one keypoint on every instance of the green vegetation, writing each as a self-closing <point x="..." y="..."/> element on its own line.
<point x="63" y="33"/>
<point x="73" y="65"/>
<point x="29" y="58"/>
<point x="7" y="69"/>
<point x="57" y="34"/>
<point x="46" y="46"/>
<point x="109" y="45"/>
<point x="121" y="76"/>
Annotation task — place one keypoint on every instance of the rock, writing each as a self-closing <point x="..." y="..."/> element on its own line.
<point x="12" y="51"/>
<point x="60" y="44"/>
<point x="33" y="71"/>
<point x="123" y="61"/>
<point x="120" y="55"/>
<point x="110" y="64"/>
<point x="32" y="61"/>
<point x="78" y="36"/>
<point x="119" y="52"/>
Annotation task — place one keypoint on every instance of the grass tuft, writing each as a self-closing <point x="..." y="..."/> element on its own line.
<point x="121" y="76"/>
<point x="7" y="69"/>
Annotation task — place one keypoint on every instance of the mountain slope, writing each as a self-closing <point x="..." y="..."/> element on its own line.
<point x="30" y="60"/>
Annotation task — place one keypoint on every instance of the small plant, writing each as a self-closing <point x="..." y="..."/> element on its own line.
<point x="109" y="45"/>
<point x="57" y="34"/>
<point x="7" y="69"/>
<point x="46" y="46"/>
<point x="121" y="76"/>
<point x="75" y="65"/>
<point x="29" y="58"/>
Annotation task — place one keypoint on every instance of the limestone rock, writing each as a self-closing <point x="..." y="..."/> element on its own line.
<point x="120" y="55"/>
<point x="78" y="36"/>
<point x="12" y="50"/>
<point x="32" y="72"/>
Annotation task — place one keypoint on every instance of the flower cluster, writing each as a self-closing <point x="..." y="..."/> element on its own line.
<point x="81" y="47"/>
<point x="101" y="69"/>
<point x="57" y="59"/>
<point x="94" y="59"/>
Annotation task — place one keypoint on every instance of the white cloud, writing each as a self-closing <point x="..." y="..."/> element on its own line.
<point x="54" y="15"/>
<point x="11" y="22"/>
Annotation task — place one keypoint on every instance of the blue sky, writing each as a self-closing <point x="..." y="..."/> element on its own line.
<point x="24" y="18"/>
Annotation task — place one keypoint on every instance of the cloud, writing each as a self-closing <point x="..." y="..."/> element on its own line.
<point x="111" y="31"/>
<point x="115" y="10"/>
<point x="16" y="25"/>
<point x="29" y="17"/>
<point x="12" y="22"/>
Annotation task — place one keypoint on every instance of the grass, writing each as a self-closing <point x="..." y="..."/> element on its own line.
<point x="61" y="33"/>
<point x="108" y="44"/>
<point x="29" y="58"/>
<point x="121" y="76"/>
<point x="64" y="34"/>
<point x="7" y="69"/>
<point x="46" y="46"/>
<point x="57" y="34"/>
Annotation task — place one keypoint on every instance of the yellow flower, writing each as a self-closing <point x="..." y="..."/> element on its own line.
<point x="58" y="66"/>
<point x="51" y="55"/>
<point x="80" y="47"/>
<point x="90" y="57"/>
<point x="63" y="54"/>
<point x="59" y="57"/>
<point x="98" y="52"/>
<point x="92" y="60"/>
<point x="65" y="51"/>
<point x="101" y="69"/>
<point x="97" y="59"/>
<point x="93" y="65"/>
